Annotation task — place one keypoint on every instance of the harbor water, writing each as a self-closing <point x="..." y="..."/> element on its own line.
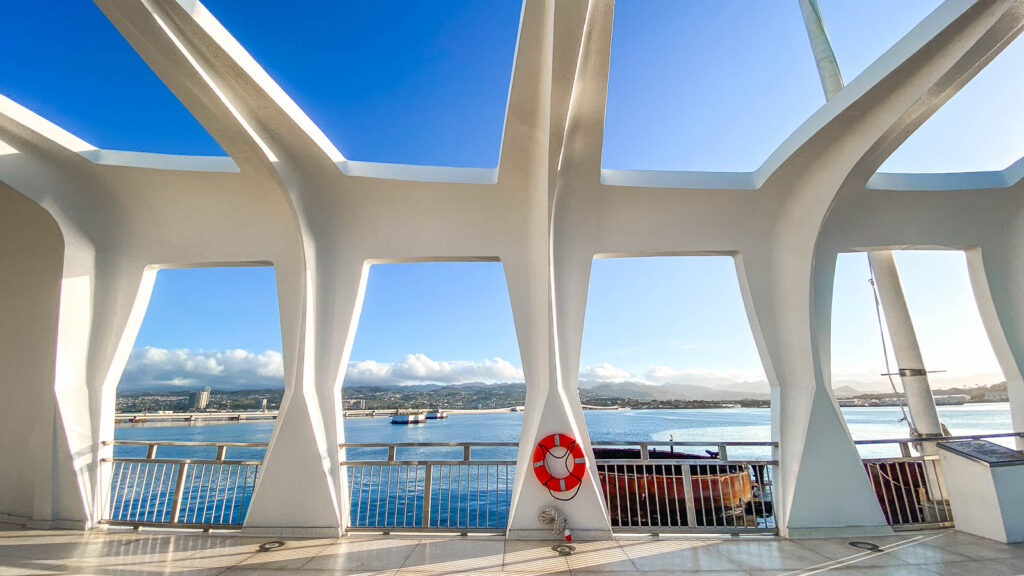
<point x="711" y="425"/>
<point x="489" y="496"/>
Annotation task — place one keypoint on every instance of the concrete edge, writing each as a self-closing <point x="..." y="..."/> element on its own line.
<point x="838" y="532"/>
<point x="546" y="534"/>
<point x="31" y="524"/>
<point x="293" y="531"/>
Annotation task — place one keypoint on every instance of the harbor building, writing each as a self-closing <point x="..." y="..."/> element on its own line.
<point x="200" y="399"/>
<point x="84" y="229"/>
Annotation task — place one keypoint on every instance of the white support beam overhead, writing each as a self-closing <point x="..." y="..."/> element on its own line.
<point x="295" y="202"/>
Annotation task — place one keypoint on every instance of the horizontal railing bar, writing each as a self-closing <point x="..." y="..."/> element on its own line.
<point x="425" y="462"/>
<point x="695" y="531"/>
<point x="895" y="459"/>
<point x="422" y="444"/>
<point x="176" y="443"/>
<point x="940" y="438"/>
<point x="667" y="462"/>
<point x="189" y="525"/>
<point x="420" y="529"/>
<point x="655" y="443"/>
<point x="184" y="461"/>
<point x="922" y="526"/>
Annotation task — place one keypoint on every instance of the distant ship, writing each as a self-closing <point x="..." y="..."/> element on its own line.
<point x="409" y="419"/>
<point x="437" y="415"/>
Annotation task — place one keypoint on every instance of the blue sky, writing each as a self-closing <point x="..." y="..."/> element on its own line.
<point x="697" y="85"/>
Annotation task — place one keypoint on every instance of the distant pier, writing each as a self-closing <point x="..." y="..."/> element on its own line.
<point x="239" y="416"/>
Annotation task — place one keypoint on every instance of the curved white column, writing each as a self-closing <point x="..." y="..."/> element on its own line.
<point x="997" y="277"/>
<point x="319" y="218"/>
<point x="32" y="250"/>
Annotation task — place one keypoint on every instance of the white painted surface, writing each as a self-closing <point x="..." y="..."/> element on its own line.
<point x="923" y="414"/>
<point x="293" y="201"/>
<point x="985" y="501"/>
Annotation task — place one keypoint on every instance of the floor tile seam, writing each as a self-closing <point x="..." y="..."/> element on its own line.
<point x="967" y="553"/>
<point x="561" y="558"/>
<point x="620" y="549"/>
<point x="198" y="558"/>
<point x="897" y="561"/>
<point x="342" y="541"/>
<point x="844" y="563"/>
<point x="727" y="559"/>
<point x="972" y="560"/>
<point x="412" y="550"/>
<point x="708" y="548"/>
<point x="58" y="569"/>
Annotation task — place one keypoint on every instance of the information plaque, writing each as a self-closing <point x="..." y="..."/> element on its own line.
<point x="985" y="452"/>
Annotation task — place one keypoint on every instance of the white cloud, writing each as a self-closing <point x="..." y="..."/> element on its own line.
<point x="701" y="376"/>
<point x="168" y="369"/>
<point x="152" y="368"/>
<point x="605" y="372"/>
<point x="420" y="369"/>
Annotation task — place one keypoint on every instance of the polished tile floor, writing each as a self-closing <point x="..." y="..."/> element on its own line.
<point x="125" y="552"/>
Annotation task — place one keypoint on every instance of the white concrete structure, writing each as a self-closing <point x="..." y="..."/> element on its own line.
<point x="885" y="276"/>
<point x="83" y="231"/>
<point x="985" y="496"/>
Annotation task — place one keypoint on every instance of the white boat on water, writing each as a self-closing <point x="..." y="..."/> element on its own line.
<point x="409" y="419"/>
<point x="437" y="415"/>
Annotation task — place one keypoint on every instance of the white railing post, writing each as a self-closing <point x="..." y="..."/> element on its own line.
<point x="179" y="490"/>
<point x="428" y="477"/>
<point x="691" y="510"/>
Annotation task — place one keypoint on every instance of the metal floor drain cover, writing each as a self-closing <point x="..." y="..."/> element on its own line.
<point x="865" y="546"/>
<point x="272" y="545"/>
<point x="563" y="549"/>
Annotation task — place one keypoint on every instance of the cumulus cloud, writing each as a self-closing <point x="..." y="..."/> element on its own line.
<point x="421" y="369"/>
<point x="152" y="368"/>
<point x="701" y="376"/>
<point x="605" y="372"/>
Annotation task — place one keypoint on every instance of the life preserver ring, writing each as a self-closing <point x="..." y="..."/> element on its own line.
<point x="573" y="455"/>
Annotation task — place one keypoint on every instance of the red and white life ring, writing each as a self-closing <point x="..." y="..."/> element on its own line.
<point x="573" y="456"/>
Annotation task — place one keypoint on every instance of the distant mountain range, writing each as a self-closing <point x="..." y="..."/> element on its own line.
<point x="672" y="391"/>
<point x="627" y="389"/>
<point x="716" y="391"/>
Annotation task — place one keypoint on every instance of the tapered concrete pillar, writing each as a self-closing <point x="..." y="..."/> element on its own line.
<point x="566" y="270"/>
<point x="311" y="425"/>
<point x="817" y="458"/>
<point x="901" y="329"/>
<point x="997" y="278"/>
<point x="31" y="255"/>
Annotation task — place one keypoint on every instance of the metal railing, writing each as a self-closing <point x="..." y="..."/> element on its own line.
<point x="662" y="492"/>
<point x="181" y="492"/>
<point x="426" y="491"/>
<point x="911" y="488"/>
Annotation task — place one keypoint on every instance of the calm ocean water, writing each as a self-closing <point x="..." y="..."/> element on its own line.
<point x="717" y="425"/>
<point x="473" y="501"/>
